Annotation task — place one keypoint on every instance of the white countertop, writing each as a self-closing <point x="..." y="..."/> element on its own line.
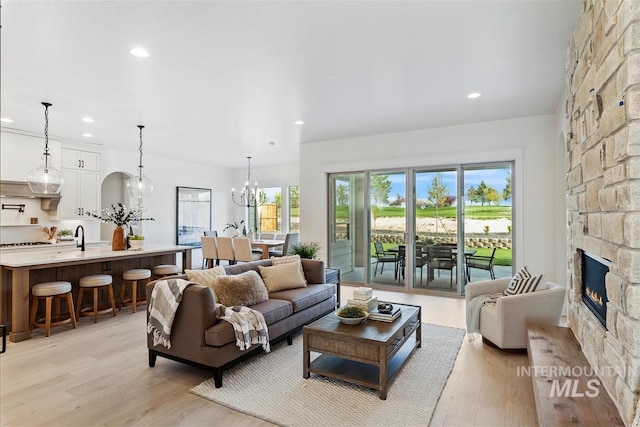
<point x="51" y="256"/>
<point x="66" y="245"/>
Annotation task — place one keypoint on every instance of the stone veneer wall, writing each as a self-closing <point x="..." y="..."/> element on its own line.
<point x="603" y="187"/>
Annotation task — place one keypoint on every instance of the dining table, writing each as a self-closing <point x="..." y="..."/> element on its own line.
<point x="265" y="245"/>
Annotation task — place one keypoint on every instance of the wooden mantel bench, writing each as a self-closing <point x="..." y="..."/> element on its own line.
<point x="566" y="389"/>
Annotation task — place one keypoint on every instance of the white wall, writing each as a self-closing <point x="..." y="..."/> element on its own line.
<point x="529" y="141"/>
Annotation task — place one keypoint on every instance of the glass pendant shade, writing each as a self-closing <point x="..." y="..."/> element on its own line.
<point x="45" y="179"/>
<point x="139" y="187"/>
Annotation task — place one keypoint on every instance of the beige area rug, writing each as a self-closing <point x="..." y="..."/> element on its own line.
<point x="271" y="387"/>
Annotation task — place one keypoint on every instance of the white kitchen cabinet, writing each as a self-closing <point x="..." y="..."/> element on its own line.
<point x="19" y="153"/>
<point x="81" y="190"/>
<point x="80" y="159"/>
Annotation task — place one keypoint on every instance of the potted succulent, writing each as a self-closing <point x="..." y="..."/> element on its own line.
<point x="305" y="249"/>
<point x="136" y="242"/>
<point x="351" y="315"/>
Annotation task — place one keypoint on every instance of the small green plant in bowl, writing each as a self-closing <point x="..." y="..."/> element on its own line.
<point x="351" y="315"/>
<point x="136" y="237"/>
<point x="136" y="242"/>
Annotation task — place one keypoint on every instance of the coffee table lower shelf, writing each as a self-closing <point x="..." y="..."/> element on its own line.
<point x="363" y="374"/>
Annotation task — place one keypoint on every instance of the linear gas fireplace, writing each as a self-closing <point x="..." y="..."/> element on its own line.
<point x="594" y="291"/>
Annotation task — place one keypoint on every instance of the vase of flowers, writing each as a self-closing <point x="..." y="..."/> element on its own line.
<point x="121" y="216"/>
<point x="233" y="227"/>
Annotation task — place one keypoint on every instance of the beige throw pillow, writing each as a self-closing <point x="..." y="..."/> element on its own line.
<point x="289" y="259"/>
<point x="205" y="277"/>
<point x="281" y="277"/>
<point x="240" y="289"/>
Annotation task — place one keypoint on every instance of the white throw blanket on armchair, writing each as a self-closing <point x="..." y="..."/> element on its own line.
<point x="473" y="311"/>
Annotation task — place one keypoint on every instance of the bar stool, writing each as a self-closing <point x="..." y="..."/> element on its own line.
<point x="135" y="276"/>
<point x="50" y="291"/>
<point x="96" y="282"/>
<point x="164" y="270"/>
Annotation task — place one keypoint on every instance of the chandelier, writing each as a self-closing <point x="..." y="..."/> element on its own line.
<point x="249" y="197"/>
<point x="140" y="186"/>
<point x="45" y="178"/>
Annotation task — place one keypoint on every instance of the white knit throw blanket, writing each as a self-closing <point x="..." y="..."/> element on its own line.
<point x="164" y="302"/>
<point x="473" y="312"/>
<point x="248" y="324"/>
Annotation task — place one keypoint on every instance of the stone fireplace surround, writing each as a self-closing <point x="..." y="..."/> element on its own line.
<point x="603" y="189"/>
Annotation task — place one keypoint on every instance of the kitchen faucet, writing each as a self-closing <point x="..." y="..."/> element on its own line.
<point x="81" y="245"/>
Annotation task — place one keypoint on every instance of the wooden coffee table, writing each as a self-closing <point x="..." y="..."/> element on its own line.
<point x="369" y="354"/>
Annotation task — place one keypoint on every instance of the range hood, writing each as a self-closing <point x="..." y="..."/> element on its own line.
<point x="21" y="190"/>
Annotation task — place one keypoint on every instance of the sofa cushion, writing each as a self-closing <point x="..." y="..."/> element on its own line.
<point x="522" y="282"/>
<point x="240" y="289"/>
<point x="222" y="333"/>
<point x="302" y="298"/>
<point x="205" y="277"/>
<point x="283" y="276"/>
<point x="289" y="259"/>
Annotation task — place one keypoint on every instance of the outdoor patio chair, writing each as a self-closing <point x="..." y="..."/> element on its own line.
<point x="383" y="257"/>
<point x="481" y="262"/>
<point x="441" y="258"/>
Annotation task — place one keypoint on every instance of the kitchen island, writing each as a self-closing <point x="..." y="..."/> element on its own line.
<point x="22" y="270"/>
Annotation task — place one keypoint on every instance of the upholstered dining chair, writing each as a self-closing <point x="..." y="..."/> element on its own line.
<point x="225" y="249"/>
<point x="242" y="250"/>
<point x="209" y="251"/>
<point x="289" y="240"/>
<point x="213" y="233"/>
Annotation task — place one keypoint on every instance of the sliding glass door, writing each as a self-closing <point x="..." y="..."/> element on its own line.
<point x="422" y="228"/>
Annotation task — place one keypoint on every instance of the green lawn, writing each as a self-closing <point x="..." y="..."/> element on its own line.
<point x="472" y="212"/>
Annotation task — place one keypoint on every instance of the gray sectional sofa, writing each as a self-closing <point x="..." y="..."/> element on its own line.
<point x="198" y="338"/>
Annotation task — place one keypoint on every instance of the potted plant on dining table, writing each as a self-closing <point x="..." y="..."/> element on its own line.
<point x="121" y="216"/>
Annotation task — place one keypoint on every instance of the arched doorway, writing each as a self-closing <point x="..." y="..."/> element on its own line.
<point x="113" y="190"/>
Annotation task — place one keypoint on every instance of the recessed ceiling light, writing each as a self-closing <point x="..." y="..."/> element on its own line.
<point x="87" y="135"/>
<point x="272" y="143"/>
<point x="6" y="120"/>
<point x="298" y="122"/>
<point x="87" y="119"/>
<point x="473" y="95"/>
<point x="139" y="52"/>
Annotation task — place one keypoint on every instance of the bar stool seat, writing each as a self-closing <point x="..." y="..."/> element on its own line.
<point x="96" y="282"/>
<point x="135" y="276"/>
<point x="50" y="291"/>
<point x="165" y="270"/>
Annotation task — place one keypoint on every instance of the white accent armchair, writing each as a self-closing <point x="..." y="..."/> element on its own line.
<point x="504" y="323"/>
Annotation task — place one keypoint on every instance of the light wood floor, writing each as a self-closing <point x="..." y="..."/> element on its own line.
<point x="98" y="375"/>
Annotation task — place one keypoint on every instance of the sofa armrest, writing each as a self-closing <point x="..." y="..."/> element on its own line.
<point x="196" y="313"/>
<point x="472" y="290"/>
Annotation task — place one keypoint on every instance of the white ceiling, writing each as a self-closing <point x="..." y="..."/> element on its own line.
<point x="225" y="78"/>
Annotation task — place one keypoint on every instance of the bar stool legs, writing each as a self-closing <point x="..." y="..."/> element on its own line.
<point x="96" y="282"/>
<point x="135" y="277"/>
<point x="49" y="292"/>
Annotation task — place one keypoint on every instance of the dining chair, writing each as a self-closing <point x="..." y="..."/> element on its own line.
<point x="209" y="251"/>
<point x="385" y="257"/>
<point x="422" y="259"/>
<point x="213" y="233"/>
<point x="289" y="240"/>
<point x="481" y="262"/>
<point x="242" y="250"/>
<point x="267" y="236"/>
<point x="225" y="249"/>
<point x="441" y="258"/>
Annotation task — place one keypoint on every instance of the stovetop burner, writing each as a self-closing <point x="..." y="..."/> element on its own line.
<point x="9" y="245"/>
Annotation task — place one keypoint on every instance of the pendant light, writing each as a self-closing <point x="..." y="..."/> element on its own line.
<point x="140" y="186"/>
<point x="45" y="179"/>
